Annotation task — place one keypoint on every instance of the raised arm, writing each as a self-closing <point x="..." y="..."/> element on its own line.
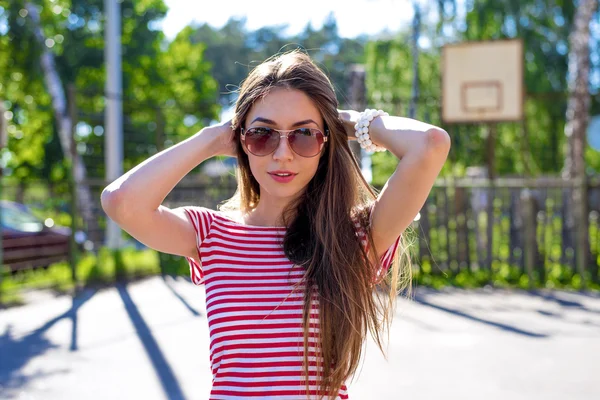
<point x="422" y="150"/>
<point x="134" y="200"/>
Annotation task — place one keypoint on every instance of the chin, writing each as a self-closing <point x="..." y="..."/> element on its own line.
<point x="284" y="192"/>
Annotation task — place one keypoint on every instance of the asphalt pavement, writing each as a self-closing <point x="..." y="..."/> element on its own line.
<point x="149" y="340"/>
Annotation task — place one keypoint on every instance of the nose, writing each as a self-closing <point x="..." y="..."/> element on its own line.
<point x="283" y="150"/>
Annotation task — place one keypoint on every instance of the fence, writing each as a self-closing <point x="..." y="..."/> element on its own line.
<point x="513" y="227"/>
<point x="524" y="226"/>
<point x="52" y="204"/>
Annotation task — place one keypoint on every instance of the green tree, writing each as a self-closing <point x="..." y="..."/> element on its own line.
<point x="389" y="76"/>
<point x="170" y="79"/>
<point x="233" y="51"/>
<point x="535" y="146"/>
<point x="544" y="30"/>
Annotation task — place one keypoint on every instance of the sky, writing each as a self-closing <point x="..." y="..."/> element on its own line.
<point x="353" y="17"/>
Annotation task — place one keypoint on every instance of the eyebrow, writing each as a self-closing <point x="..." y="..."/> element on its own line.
<point x="271" y="122"/>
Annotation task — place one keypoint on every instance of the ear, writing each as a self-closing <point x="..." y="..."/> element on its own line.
<point x="239" y="137"/>
<point x="323" y="151"/>
<point x="243" y="147"/>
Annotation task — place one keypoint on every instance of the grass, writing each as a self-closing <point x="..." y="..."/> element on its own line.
<point x="105" y="268"/>
<point x="439" y="265"/>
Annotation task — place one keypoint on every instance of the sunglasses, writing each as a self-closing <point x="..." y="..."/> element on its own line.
<point x="262" y="141"/>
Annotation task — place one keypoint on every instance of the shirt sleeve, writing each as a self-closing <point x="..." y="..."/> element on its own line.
<point x="385" y="260"/>
<point x="201" y="219"/>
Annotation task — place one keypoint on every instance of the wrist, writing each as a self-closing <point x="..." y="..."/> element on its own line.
<point x="217" y="139"/>
<point x="366" y="121"/>
<point x="349" y="119"/>
<point x="207" y="141"/>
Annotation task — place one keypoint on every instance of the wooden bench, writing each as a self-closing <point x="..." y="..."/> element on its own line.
<point x="29" y="251"/>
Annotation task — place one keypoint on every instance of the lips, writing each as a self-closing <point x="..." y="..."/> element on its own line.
<point x="282" y="176"/>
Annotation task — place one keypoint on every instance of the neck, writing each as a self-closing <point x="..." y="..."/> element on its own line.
<point x="268" y="212"/>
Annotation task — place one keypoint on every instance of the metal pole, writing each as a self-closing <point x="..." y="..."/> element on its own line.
<point x="73" y="182"/>
<point x="491" y="155"/>
<point x="412" y="110"/>
<point x="3" y="143"/>
<point x="114" y="108"/>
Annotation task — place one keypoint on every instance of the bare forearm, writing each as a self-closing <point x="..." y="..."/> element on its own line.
<point x="403" y="136"/>
<point x="145" y="186"/>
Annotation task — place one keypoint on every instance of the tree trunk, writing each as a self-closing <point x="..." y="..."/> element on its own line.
<point x="358" y="101"/>
<point x="64" y="122"/>
<point x="575" y="129"/>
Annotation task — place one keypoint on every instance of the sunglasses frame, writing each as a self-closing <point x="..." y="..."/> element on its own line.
<point x="283" y="133"/>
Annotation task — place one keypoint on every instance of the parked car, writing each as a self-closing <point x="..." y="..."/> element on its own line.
<point x="26" y="240"/>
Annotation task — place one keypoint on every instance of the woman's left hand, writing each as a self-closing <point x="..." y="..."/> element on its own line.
<point x="349" y="119"/>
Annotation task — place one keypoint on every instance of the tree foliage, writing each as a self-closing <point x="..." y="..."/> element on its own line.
<point x="170" y="88"/>
<point x="171" y="79"/>
<point x="173" y="88"/>
<point x="533" y="147"/>
<point x="233" y="51"/>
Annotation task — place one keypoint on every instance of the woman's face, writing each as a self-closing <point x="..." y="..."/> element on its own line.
<point x="284" y="109"/>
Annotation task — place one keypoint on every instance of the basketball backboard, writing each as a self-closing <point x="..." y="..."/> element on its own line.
<point x="482" y="81"/>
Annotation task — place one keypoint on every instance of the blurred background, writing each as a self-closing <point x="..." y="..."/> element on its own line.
<point x="89" y="89"/>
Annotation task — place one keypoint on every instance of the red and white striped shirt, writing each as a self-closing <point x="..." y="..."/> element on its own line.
<point x="254" y="303"/>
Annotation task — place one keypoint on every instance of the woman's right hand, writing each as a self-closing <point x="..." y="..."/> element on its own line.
<point x="227" y="145"/>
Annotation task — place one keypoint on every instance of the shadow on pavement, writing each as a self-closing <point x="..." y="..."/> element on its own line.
<point x="563" y="302"/>
<point x="421" y="299"/>
<point x="176" y="294"/>
<point x="167" y="378"/>
<point x="17" y="352"/>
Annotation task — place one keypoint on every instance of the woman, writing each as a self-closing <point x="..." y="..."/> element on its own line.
<point x="291" y="263"/>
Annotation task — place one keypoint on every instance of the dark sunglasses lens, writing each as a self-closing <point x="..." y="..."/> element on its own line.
<point x="261" y="141"/>
<point x="306" y="142"/>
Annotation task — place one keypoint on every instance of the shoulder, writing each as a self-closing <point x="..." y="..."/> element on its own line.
<point x="232" y="215"/>
<point x="198" y="211"/>
<point x="200" y="217"/>
<point x="208" y="215"/>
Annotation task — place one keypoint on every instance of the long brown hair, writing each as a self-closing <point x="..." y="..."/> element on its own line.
<point x="321" y="235"/>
